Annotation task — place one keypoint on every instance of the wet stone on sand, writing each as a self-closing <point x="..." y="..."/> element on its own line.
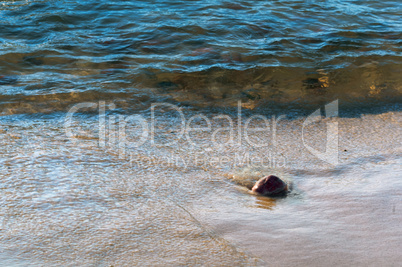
<point x="270" y="186"/>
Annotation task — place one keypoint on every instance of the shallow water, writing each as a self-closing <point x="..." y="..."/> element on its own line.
<point x="92" y="174"/>
<point x="71" y="200"/>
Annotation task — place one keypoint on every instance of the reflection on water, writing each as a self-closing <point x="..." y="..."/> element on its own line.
<point x="265" y="202"/>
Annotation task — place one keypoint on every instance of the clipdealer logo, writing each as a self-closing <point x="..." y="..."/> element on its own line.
<point x="124" y="132"/>
<point x="331" y="154"/>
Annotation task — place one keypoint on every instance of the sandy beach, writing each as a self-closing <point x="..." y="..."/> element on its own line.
<point x="131" y="133"/>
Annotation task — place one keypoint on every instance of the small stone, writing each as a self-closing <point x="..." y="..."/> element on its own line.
<point x="270" y="185"/>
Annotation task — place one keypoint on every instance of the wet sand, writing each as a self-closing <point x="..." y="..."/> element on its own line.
<point x="71" y="201"/>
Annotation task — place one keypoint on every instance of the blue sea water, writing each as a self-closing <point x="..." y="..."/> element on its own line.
<point x="203" y="53"/>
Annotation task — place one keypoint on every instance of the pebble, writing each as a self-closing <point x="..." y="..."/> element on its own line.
<point x="269" y="186"/>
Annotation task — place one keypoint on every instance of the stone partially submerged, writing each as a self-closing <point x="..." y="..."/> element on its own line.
<point x="270" y="186"/>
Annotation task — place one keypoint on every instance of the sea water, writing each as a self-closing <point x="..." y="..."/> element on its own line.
<point x="131" y="132"/>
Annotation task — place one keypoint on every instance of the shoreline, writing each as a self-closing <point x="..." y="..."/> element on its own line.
<point x="75" y="188"/>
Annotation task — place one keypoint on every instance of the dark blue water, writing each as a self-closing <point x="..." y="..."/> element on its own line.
<point x="204" y="53"/>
